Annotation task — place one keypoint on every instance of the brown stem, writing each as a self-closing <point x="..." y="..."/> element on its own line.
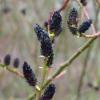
<point x="92" y="35"/>
<point x="64" y="5"/>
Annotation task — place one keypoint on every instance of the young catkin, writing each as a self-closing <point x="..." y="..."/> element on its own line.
<point x="45" y="42"/>
<point x="48" y="92"/>
<point x="85" y="26"/>
<point x="72" y="21"/>
<point x="16" y="62"/>
<point x="29" y="74"/>
<point x="7" y="59"/>
<point x="55" y="23"/>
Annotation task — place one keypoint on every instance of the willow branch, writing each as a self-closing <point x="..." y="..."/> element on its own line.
<point x="83" y="73"/>
<point x="70" y="60"/>
<point x="67" y="63"/>
<point x="91" y="36"/>
<point x="64" y="5"/>
<point x="13" y="70"/>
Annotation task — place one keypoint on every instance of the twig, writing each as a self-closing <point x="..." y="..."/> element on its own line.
<point x="85" y="65"/>
<point x="91" y="36"/>
<point x="98" y="2"/>
<point x="69" y="61"/>
<point x="13" y="70"/>
<point x="64" y="5"/>
<point x="44" y="71"/>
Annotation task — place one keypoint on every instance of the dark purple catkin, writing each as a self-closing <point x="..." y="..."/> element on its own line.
<point x="83" y="2"/>
<point x="55" y="23"/>
<point x="16" y="62"/>
<point x="45" y="42"/>
<point x="7" y="59"/>
<point x="48" y="92"/>
<point x="72" y="21"/>
<point x="40" y="32"/>
<point x="46" y="47"/>
<point x="29" y="74"/>
<point x="85" y="26"/>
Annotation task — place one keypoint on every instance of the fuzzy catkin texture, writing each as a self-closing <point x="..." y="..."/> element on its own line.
<point x="40" y="32"/>
<point x="7" y="59"/>
<point x="55" y="23"/>
<point x="48" y="92"/>
<point x="85" y="26"/>
<point x="16" y="62"/>
<point x="29" y="74"/>
<point x="72" y="21"/>
<point x="45" y="42"/>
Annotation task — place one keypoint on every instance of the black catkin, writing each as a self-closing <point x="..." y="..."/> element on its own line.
<point x="55" y="23"/>
<point x="16" y="62"/>
<point x="29" y="74"/>
<point x="40" y="32"/>
<point x="48" y="92"/>
<point x="7" y="59"/>
<point x="72" y="21"/>
<point x="45" y="42"/>
<point x="85" y="26"/>
<point x="83" y="2"/>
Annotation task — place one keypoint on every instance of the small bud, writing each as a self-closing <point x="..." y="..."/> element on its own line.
<point x="83" y="2"/>
<point x="29" y="74"/>
<point x="48" y="92"/>
<point x="7" y="60"/>
<point x="16" y="62"/>
<point x="72" y="21"/>
<point x="85" y="26"/>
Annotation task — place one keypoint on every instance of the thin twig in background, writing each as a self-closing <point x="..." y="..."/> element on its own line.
<point x="64" y="5"/>
<point x="13" y="70"/>
<point x="86" y="60"/>
<point x="85" y="65"/>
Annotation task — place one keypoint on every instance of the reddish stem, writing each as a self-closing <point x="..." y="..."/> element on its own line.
<point x="64" y="5"/>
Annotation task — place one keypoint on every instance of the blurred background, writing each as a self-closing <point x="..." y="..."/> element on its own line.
<point x="18" y="38"/>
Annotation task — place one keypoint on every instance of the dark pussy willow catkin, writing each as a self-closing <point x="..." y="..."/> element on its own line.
<point x="7" y="59"/>
<point x="16" y="62"/>
<point x="48" y="92"/>
<point x="45" y="42"/>
<point x="55" y="23"/>
<point x="29" y="74"/>
<point x="72" y="21"/>
<point x="85" y="26"/>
